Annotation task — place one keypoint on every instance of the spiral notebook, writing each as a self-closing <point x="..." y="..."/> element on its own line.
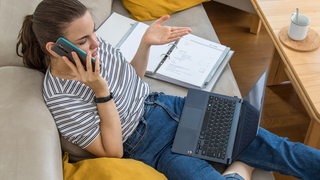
<point x="191" y="62"/>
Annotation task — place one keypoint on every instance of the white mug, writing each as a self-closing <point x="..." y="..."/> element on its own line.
<point x="299" y="27"/>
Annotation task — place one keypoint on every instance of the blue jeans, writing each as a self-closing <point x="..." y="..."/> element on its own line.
<point x="152" y="141"/>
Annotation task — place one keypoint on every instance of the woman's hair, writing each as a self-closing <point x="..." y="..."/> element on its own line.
<point x="47" y="24"/>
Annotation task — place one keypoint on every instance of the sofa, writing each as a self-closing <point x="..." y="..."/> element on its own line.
<point x="30" y="144"/>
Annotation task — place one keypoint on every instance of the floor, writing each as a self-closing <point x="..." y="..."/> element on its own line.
<point x="283" y="113"/>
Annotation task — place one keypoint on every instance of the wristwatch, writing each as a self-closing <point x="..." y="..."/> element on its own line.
<point x="104" y="99"/>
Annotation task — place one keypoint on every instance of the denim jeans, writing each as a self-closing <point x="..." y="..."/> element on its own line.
<point x="152" y="141"/>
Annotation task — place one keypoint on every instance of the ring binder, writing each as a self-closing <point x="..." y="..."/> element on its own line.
<point x="194" y="61"/>
<point x="166" y="56"/>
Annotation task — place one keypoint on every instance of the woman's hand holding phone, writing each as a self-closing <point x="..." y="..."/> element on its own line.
<point x="89" y="76"/>
<point x="86" y="67"/>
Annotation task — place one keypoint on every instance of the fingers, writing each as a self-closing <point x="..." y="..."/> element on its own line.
<point x="173" y="29"/>
<point x="97" y="65"/>
<point x="72" y="66"/>
<point x="89" y="62"/>
<point x="178" y="32"/>
<point x="162" y="19"/>
<point x="89" y="77"/>
<point x="77" y="61"/>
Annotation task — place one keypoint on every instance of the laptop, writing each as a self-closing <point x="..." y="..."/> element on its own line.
<point x="216" y="127"/>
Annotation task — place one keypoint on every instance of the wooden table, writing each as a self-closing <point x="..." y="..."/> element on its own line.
<point x="301" y="68"/>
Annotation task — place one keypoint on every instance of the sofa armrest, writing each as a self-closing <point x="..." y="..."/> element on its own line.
<point x="30" y="147"/>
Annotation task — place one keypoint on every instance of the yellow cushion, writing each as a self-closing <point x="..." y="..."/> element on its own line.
<point x="144" y="10"/>
<point x="108" y="168"/>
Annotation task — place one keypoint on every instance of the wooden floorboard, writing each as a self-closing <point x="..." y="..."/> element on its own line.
<point x="283" y="113"/>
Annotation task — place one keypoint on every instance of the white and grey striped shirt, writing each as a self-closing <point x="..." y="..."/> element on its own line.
<point x="72" y="103"/>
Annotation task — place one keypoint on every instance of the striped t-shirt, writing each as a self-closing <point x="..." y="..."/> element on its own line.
<point x="72" y="103"/>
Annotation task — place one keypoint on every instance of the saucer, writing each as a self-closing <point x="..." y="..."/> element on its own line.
<point x="310" y="43"/>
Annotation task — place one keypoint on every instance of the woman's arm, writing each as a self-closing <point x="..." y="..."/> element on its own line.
<point x="109" y="141"/>
<point x="140" y="60"/>
<point x="156" y="34"/>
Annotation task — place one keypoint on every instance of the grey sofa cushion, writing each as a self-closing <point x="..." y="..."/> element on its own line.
<point x="74" y="151"/>
<point x="28" y="135"/>
<point x="100" y="9"/>
<point x="12" y="13"/>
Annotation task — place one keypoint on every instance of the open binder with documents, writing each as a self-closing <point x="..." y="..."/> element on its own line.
<point x="191" y="62"/>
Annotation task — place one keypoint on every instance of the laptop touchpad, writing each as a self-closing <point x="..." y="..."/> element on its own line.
<point x="191" y="118"/>
<point x="187" y="132"/>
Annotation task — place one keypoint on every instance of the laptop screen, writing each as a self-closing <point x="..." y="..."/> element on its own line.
<point x="256" y="95"/>
<point x="250" y="115"/>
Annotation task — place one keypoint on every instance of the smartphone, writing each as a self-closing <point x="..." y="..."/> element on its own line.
<point x="63" y="47"/>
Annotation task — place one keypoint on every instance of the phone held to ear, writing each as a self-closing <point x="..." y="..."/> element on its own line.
<point x="63" y="47"/>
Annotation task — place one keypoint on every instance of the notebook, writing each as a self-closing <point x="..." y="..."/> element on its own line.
<point x="217" y="127"/>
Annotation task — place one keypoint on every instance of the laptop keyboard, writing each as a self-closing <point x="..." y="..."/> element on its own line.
<point x="216" y="127"/>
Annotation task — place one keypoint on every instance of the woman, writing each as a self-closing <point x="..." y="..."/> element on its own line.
<point x="109" y="111"/>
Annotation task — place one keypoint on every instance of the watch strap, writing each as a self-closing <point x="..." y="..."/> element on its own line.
<point x="103" y="99"/>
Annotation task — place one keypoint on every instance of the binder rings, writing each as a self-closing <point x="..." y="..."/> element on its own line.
<point x="191" y="62"/>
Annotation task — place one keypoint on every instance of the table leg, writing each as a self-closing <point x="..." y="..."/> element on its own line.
<point x="276" y="73"/>
<point x="312" y="138"/>
<point x="255" y="24"/>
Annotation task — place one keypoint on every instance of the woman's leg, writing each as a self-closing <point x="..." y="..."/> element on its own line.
<point x="271" y="152"/>
<point x="176" y="166"/>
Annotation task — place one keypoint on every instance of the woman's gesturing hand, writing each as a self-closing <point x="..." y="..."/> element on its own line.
<point x="158" y="34"/>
